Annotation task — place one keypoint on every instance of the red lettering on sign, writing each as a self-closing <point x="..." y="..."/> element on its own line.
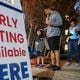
<point x="1" y="35"/>
<point x="11" y="52"/>
<point x="8" y="21"/>
<point x="11" y="37"/>
<point x="15" y="22"/>
<point x="2" y="19"/>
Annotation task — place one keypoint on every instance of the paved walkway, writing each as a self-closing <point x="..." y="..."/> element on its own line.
<point x="71" y="72"/>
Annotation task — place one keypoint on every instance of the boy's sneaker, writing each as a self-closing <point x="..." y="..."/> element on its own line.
<point x="41" y="65"/>
<point x="37" y="65"/>
<point x="67" y="64"/>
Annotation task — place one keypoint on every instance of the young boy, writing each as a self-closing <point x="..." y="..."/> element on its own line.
<point x="39" y="46"/>
<point x="73" y="42"/>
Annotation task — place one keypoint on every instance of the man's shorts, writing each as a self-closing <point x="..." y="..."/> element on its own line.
<point x="54" y="42"/>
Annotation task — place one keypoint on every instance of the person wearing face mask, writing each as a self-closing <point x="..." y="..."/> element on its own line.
<point x="73" y="42"/>
<point x="54" y="23"/>
<point x="39" y="46"/>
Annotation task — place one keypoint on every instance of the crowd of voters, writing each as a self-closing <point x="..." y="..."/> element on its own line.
<point x="51" y="40"/>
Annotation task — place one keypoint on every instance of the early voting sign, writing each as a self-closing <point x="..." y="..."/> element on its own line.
<point x="14" y="57"/>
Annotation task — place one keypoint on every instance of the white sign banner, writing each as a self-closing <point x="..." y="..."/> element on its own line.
<point x="14" y="56"/>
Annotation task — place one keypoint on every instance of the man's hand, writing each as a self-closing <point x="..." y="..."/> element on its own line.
<point x="47" y="21"/>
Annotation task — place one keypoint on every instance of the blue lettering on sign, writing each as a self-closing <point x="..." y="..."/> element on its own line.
<point x="24" y="70"/>
<point x="14" y="71"/>
<point x="3" y="72"/>
<point x="17" y="72"/>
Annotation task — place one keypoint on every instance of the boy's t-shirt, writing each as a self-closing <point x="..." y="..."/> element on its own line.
<point x="72" y="31"/>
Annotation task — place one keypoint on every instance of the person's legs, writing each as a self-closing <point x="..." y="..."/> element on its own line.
<point x="57" y="57"/>
<point x="52" y="57"/>
<point x="79" y="52"/>
<point x="57" y="60"/>
<point x="57" y="52"/>
<point x="42" y="60"/>
<point x="50" y="42"/>
<point x="54" y="47"/>
<point x="76" y="51"/>
<point x="70" y="47"/>
<point x="39" y="65"/>
<point x="38" y="60"/>
<point x="48" y="54"/>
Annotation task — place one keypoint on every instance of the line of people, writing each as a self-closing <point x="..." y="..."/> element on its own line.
<point x="54" y="23"/>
